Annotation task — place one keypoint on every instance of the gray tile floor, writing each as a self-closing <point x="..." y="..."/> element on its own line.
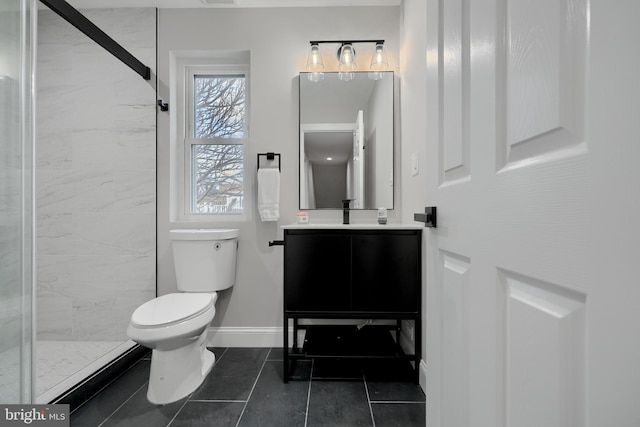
<point x="245" y="388"/>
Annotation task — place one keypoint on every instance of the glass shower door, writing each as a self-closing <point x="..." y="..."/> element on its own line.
<point x="17" y="27"/>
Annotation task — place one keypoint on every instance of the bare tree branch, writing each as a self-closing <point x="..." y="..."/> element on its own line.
<point x="220" y="107"/>
<point x="218" y="168"/>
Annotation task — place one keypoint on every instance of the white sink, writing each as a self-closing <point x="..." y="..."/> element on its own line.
<point x="339" y="226"/>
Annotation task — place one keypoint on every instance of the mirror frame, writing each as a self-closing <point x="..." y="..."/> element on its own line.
<point x="342" y="127"/>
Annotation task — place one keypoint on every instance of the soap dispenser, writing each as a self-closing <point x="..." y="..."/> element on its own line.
<point x="382" y="216"/>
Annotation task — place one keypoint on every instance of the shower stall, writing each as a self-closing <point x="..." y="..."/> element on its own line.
<point x="93" y="216"/>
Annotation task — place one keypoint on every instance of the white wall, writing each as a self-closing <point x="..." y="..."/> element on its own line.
<point x="278" y="41"/>
<point x="413" y="110"/>
<point x="95" y="177"/>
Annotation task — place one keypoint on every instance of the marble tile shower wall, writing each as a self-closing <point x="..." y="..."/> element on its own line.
<point x="95" y="176"/>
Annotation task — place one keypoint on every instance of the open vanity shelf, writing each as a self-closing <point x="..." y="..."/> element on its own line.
<point x="346" y="273"/>
<point x="349" y="341"/>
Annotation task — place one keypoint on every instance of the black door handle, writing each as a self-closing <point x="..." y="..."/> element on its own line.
<point x="429" y="217"/>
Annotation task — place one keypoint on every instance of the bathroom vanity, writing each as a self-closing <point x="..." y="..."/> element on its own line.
<point x="365" y="272"/>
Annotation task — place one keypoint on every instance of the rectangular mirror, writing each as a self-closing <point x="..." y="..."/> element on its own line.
<point x="346" y="141"/>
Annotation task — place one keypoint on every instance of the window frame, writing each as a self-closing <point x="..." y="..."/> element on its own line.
<point x="187" y="198"/>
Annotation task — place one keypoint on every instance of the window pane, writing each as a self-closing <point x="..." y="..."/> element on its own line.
<point x="217" y="178"/>
<point x="219" y="106"/>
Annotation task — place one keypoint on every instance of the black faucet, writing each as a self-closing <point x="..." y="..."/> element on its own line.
<point x="345" y="211"/>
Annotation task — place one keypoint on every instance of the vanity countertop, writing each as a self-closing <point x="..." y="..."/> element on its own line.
<point x="339" y="226"/>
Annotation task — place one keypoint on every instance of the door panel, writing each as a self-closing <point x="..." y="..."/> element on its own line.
<point x="327" y="284"/>
<point x="540" y="85"/>
<point x="455" y="338"/>
<point x="454" y="139"/>
<point x="385" y="271"/>
<point x="544" y="352"/>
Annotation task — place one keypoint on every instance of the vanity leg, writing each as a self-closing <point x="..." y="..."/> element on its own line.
<point x="285" y="350"/>
<point x="418" y="345"/>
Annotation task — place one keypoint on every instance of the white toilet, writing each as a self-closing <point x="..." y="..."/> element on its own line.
<point x="175" y="325"/>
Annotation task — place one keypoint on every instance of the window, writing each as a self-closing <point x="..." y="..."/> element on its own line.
<point x="215" y="135"/>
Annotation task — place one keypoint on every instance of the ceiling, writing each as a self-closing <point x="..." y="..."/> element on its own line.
<point x="319" y="146"/>
<point x="88" y="4"/>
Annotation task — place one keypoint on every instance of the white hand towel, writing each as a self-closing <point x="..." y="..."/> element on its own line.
<point x="269" y="194"/>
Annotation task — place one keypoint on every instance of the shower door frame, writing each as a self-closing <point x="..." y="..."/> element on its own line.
<point x="17" y="195"/>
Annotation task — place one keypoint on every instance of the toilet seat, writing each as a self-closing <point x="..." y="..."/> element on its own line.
<point x="171" y="309"/>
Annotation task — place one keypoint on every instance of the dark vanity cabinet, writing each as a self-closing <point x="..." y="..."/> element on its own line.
<point x="317" y="272"/>
<point x="351" y="273"/>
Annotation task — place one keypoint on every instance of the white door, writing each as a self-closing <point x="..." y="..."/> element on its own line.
<point x="358" y="162"/>
<point x="533" y="295"/>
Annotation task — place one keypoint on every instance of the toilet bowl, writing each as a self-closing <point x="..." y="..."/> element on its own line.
<point x="175" y="325"/>
<point x="172" y="320"/>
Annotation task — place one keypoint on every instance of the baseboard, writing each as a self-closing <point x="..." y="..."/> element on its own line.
<point x="423" y="376"/>
<point x="270" y="336"/>
<point x="407" y="345"/>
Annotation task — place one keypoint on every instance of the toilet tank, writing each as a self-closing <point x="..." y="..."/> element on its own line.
<point x="204" y="259"/>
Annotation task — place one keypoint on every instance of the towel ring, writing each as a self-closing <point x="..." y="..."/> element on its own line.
<point x="270" y="156"/>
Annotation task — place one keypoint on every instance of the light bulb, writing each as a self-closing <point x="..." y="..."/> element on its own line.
<point x="379" y="60"/>
<point x="345" y="76"/>
<point x="347" y="57"/>
<point x="315" y="64"/>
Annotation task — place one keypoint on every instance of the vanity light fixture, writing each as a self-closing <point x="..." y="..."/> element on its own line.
<point x="379" y="60"/>
<point x="345" y="76"/>
<point x="346" y="55"/>
<point x="347" y="61"/>
<point x="315" y="64"/>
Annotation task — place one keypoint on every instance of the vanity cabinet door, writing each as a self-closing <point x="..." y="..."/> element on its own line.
<point x="386" y="272"/>
<point x="317" y="272"/>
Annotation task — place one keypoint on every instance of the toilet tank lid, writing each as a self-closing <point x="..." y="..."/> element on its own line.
<point x="172" y="308"/>
<point x="204" y="234"/>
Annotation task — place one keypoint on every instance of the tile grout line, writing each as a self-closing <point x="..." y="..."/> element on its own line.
<point x="306" y="411"/>
<point x="188" y="399"/>
<point x="179" y="410"/>
<point x="123" y="403"/>
<point x="253" y="387"/>
<point x="366" y="389"/>
<point x="218" y="358"/>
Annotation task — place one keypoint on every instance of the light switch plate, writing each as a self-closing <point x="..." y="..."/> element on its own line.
<point x="415" y="165"/>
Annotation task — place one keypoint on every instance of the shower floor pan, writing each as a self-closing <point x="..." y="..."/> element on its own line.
<point x="60" y="365"/>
